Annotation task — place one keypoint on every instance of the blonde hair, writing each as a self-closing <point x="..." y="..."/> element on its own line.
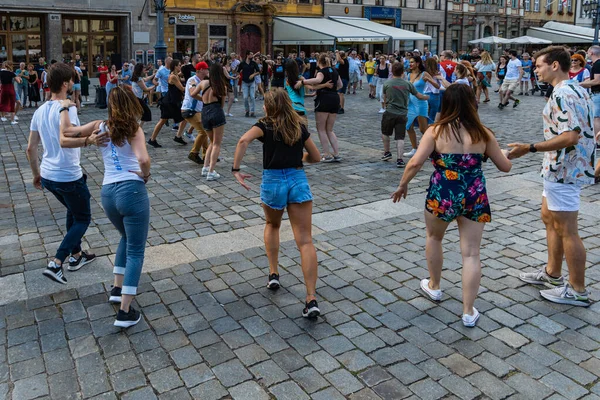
<point x="281" y="117"/>
<point x="486" y="58"/>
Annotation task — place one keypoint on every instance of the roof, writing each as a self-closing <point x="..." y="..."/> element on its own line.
<point x="562" y="33"/>
<point x="390" y="31"/>
<point x="299" y="30"/>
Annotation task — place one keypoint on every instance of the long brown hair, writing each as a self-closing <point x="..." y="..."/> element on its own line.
<point x="432" y="67"/>
<point x="281" y="117"/>
<point x="459" y="108"/>
<point x="218" y="81"/>
<point x="124" y="111"/>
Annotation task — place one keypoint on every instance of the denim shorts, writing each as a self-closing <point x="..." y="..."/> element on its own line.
<point x="596" y="100"/>
<point x="213" y="116"/>
<point x="281" y="187"/>
<point x="342" y="90"/>
<point x="76" y="86"/>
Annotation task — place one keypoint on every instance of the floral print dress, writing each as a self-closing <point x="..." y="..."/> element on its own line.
<point x="457" y="188"/>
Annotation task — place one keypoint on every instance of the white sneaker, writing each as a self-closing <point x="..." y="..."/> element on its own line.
<point x="3" y="119"/>
<point x="410" y="153"/>
<point x="205" y="171"/>
<point x="14" y="122"/>
<point x="212" y="176"/>
<point x="230" y="115"/>
<point x="435" y="295"/>
<point x="381" y="110"/>
<point x="235" y="100"/>
<point x="470" y="320"/>
<point x="189" y="136"/>
<point x="16" y="118"/>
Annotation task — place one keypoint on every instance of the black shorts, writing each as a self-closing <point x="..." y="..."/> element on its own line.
<point x="146" y="113"/>
<point x="327" y="102"/>
<point x="170" y="111"/>
<point x="394" y="123"/>
<point x="213" y="116"/>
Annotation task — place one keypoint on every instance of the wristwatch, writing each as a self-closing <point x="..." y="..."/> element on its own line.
<point x="532" y="148"/>
<point x="63" y="109"/>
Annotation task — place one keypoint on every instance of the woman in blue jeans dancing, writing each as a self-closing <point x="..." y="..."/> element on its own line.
<point x="124" y="196"/>
<point x="284" y="136"/>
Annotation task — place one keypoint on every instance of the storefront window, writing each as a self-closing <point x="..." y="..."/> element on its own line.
<point x="433" y="31"/>
<point x="3" y="26"/>
<point x="81" y="46"/>
<point x="102" y="26"/>
<point x="17" y="24"/>
<point x="218" y="45"/>
<point x="217" y="41"/>
<point x="20" y="39"/>
<point x="19" y="48"/>
<point x="3" y="49"/>
<point x="88" y="38"/>
<point x="34" y="48"/>
<point x="67" y="48"/>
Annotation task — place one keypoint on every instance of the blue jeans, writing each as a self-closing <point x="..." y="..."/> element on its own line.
<point x="248" y="90"/>
<point x="435" y="104"/>
<point x="127" y="206"/>
<point x="109" y="86"/>
<point x="596" y="101"/>
<point x="75" y="196"/>
<point x="281" y="187"/>
<point x="22" y="92"/>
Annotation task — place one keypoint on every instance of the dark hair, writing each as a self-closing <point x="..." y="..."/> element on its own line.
<point x="174" y="64"/>
<point x="292" y="72"/>
<point x="512" y="53"/>
<point x="397" y="68"/>
<point x="124" y="110"/>
<point x="419" y="62"/>
<point x="137" y="72"/>
<point x="218" y="81"/>
<point x="248" y="52"/>
<point x="58" y="74"/>
<point x="558" y="54"/>
<point x="459" y="108"/>
<point x="323" y="59"/>
<point x="431" y="66"/>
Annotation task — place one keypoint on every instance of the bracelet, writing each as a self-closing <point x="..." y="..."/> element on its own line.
<point x="85" y="143"/>
<point x="235" y="169"/>
<point x="147" y="176"/>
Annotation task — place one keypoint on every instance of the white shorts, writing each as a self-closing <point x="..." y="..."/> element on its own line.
<point x="561" y="196"/>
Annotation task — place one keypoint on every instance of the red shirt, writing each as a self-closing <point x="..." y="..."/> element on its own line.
<point x="449" y="67"/>
<point x="103" y="77"/>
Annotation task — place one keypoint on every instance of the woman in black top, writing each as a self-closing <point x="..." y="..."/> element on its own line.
<point x="344" y="71"/>
<point x="85" y="81"/>
<point x="327" y="104"/>
<point x="284" y="185"/>
<point x="278" y="80"/>
<point x="34" y="86"/>
<point x="170" y="105"/>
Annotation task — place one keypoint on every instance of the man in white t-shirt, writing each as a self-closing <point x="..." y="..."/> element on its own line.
<point x="191" y="110"/>
<point x="514" y="74"/>
<point x="60" y="171"/>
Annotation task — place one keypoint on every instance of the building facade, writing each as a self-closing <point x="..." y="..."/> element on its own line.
<point x="228" y="25"/>
<point x="472" y="19"/>
<point x="581" y="18"/>
<point x="538" y="12"/>
<point x="109" y="31"/>
<point x="422" y="16"/>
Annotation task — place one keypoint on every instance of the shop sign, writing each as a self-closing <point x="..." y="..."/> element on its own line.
<point x="186" y="18"/>
<point x="384" y="13"/>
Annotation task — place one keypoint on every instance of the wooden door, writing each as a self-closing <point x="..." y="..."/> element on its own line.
<point x="250" y="39"/>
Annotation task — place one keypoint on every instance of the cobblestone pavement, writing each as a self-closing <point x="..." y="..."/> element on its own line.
<point x="211" y="330"/>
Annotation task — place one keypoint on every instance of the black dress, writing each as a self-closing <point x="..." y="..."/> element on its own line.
<point x="34" y="89"/>
<point x="170" y="104"/>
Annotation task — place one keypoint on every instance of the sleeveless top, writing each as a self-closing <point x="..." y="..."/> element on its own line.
<point x="174" y="95"/>
<point x="419" y="84"/>
<point x="329" y="74"/>
<point x="344" y="70"/>
<point x="190" y="103"/>
<point x="137" y="90"/>
<point x="118" y="161"/>
<point x="297" y="97"/>
<point x="383" y="73"/>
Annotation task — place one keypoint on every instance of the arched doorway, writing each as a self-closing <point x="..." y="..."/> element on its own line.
<point x="250" y="39"/>
<point x="487" y="31"/>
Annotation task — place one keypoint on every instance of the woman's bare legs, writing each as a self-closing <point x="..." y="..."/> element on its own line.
<point x="271" y="236"/>
<point x="330" y="135"/>
<point x="301" y="220"/>
<point x="216" y="146"/>
<point x="435" y="228"/>
<point x="412" y="136"/>
<point x="76" y="96"/>
<point x="208" y="154"/>
<point x="229" y="101"/>
<point x="321" y="119"/>
<point x="157" y="128"/>
<point x="470" y="243"/>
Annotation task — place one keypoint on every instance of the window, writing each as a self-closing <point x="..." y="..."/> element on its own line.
<point x="217" y="38"/>
<point x="560" y="6"/>
<point x="472" y="1"/>
<point x="527" y="5"/>
<point x="549" y="5"/>
<point x="334" y="1"/>
<point x="20" y="38"/>
<point x="93" y="39"/>
<point x="357" y="1"/>
<point x="303" y="1"/>
<point x="433" y="31"/>
<point x="408" y="45"/>
<point x="570" y="6"/>
<point x="536" y="5"/>
<point x="438" y="4"/>
<point x="421" y="4"/>
<point x="515" y="4"/>
<point x="379" y="3"/>
<point x="501" y="3"/>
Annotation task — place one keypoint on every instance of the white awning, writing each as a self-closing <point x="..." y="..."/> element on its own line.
<point x="562" y="33"/>
<point x="394" y="33"/>
<point x="307" y="31"/>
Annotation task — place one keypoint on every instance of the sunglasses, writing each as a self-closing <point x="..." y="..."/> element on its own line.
<point x="574" y="61"/>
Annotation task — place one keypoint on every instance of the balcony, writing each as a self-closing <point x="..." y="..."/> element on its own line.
<point x="486" y="9"/>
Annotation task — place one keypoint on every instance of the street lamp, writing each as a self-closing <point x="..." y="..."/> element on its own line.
<point x="592" y="10"/>
<point x="160" y="48"/>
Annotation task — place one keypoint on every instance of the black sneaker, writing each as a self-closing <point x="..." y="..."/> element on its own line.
<point x="516" y="103"/>
<point x="167" y="123"/>
<point x="252" y="115"/>
<point x="311" y="310"/>
<point x="175" y="128"/>
<point x="179" y="140"/>
<point x="127" y="319"/>
<point x="153" y="143"/>
<point x="341" y="111"/>
<point x="115" y="295"/>
<point x="400" y="163"/>
<point x="195" y="157"/>
<point x="386" y="156"/>
<point x="247" y="114"/>
<point x="273" y="283"/>
<point x="500" y="106"/>
<point x="84" y="258"/>
<point x="55" y="272"/>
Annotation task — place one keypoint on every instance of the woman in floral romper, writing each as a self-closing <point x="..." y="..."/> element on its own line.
<point x="457" y="145"/>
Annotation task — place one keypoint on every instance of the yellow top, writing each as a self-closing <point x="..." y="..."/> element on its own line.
<point x="370" y="67"/>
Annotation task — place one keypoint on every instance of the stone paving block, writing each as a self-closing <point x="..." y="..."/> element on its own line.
<point x="82" y="346"/>
<point x="23" y="352"/>
<point x="344" y="381"/>
<point x="271" y="342"/>
<point x="185" y="357"/>
<point x="328" y="394"/>
<point x="26" y="369"/>
<point x="288" y="391"/>
<point x="125" y="381"/>
<point x="21" y="335"/>
<point x="231" y="373"/>
<point x="310" y="380"/>
<point x="269" y="373"/>
<point x="73" y="311"/>
<point x="406" y="373"/>
<point x="145" y="393"/>
<point x="30" y="388"/>
<point x="510" y="337"/>
<point x="460" y="387"/>
<point x="574" y="372"/>
<point x="493" y="364"/>
<point x="255" y="326"/>
<point x="64" y="386"/>
<point x="164" y="380"/>
<point x="251" y="354"/>
<point x="144" y="341"/>
<point x="428" y="389"/>
<point x="177" y="394"/>
<point x="527" y="387"/>
<point x="289" y="360"/>
<point x="374" y="376"/>
<point x="355" y="360"/>
<point x="196" y="374"/>
<point x="53" y="341"/>
<point x="58" y="361"/>
<point x="336" y="345"/>
<point x="564" y="385"/>
<point x="569" y="351"/>
<point x="391" y="390"/>
<point x="304" y="344"/>
<point x="460" y="365"/>
<point x="490" y="385"/>
<point x="154" y="360"/>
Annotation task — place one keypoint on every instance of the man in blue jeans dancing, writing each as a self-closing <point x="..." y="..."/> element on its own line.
<point x="60" y="170"/>
<point x="249" y="69"/>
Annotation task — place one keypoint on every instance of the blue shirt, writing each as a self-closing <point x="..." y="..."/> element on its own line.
<point x="297" y="97"/>
<point x="353" y="65"/>
<point x="126" y="77"/>
<point x="163" y="78"/>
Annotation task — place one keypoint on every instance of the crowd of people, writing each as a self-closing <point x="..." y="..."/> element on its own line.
<point x="439" y="96"/>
